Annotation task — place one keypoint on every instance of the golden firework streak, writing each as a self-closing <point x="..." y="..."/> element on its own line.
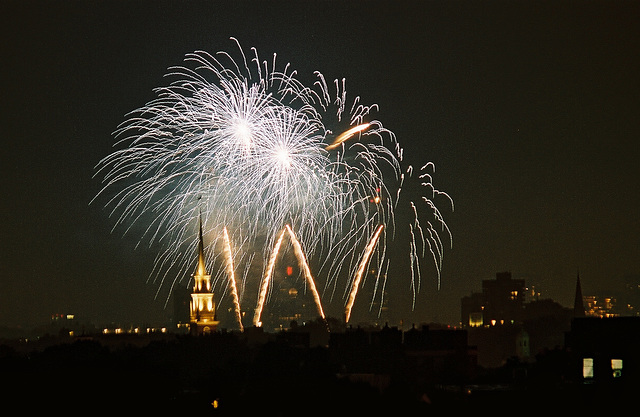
<point x="269" y="273"/>
<point x="232" y="278"/>
<point x="262" y="295"/>
<point x="347" y="135"/>
<point x="363" y="263"/>
<point x="305" y="267"/>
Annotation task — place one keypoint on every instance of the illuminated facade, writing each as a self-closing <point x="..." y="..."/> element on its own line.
<point x="291" y="304"/>
<point x="602" y="307"/>
<point x="202" y="306"/>
<point x="501" y="302"/>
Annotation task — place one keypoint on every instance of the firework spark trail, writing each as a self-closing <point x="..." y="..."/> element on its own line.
<point x="304" y="266"/>
<point x="384" y="286"/>
<point x="379" y="274"/>
<point x="347" y="135"/>
<point x="246" y="273"/>
<point x="360" y="272"/>
<point x="262" y="295"/>
<point x="302" y="261"/>
<point x="414" y="266"/>
<point x="232" y="278"/>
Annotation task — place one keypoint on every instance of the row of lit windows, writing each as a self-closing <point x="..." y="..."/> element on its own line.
<point x="477" y="320"/>
<point x="137" y="330"/>
<point x="200" y="303"/>
<point x="587" y="368"/>
<point x="199" y="282"/>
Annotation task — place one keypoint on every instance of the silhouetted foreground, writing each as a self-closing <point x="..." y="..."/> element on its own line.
<point x="186" y="374"/>
<point x="358" y="373"/>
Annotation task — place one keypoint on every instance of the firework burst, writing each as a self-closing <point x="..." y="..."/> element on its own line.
<point x="249" y="145"/>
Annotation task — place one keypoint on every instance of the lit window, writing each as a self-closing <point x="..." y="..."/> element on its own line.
<point x="587" y="368"/>
<point x="475" y="320"/>
<point x="616" y="367"/>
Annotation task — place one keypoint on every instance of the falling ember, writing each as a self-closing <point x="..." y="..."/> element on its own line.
<point x="265" y="281"/>
<point x="363" y="264"/>
<point x="232" y="278"/>
<point x="347" y="135"/>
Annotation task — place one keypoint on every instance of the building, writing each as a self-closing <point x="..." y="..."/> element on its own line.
<point x="603" y="307"/>
<point x="202" y="307"/>
<point x="578" y="302"/>
<point x="289" y="303"/>
<point x="502" y="326"/>
<point x="421" y="357"/>
<point x="501" y="302"/>
<point x="180" y="317"/>
<point x="605" y="350"/>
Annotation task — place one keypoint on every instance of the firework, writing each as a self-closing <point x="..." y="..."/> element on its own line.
<point x="347" y="135"/>
<point x="266" y="279"/>
<point x="363" y="264"/>
<point x="232" y="277"/>
<point x="304" y="266"/>
<point x="252" y="147"/>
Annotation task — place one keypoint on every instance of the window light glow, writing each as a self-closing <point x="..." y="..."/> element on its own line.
<point x="587" y="368"/>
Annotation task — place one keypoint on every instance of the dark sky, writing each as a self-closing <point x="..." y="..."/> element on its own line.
<point x="529" y="110"/>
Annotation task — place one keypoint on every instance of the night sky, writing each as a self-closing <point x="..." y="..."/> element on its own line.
<point x="529" y="110"/>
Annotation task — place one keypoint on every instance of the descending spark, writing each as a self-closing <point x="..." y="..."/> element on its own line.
<point x="262" y="295"/>
<point x="232" y="278"/>
<point x="347" y="135"/>
<point x="414" y="265"/>
<point x="305" y="267"/>
<point x="363" y="264"/>
<point x="384" y="285"/>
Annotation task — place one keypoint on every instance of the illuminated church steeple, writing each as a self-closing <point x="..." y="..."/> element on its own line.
<point x="202" y="306"/>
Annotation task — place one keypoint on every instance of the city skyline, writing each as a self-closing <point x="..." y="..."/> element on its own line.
<point x="529" y="113"/>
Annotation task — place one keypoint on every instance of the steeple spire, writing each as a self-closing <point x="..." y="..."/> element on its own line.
<point x="203" y="308"/>
<point x="578" y="305"/>
<point x="201" y="270"/>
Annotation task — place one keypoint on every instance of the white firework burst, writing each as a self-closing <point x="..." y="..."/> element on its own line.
<point x="248" y="146"/>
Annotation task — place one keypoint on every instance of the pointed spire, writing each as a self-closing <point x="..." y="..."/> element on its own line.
<point x="578" y="305"/>
<point x="201" y="265"/>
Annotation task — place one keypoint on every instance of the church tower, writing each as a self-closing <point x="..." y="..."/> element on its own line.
<point x="202" y="306"/>
<point x="578" y="305"/>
